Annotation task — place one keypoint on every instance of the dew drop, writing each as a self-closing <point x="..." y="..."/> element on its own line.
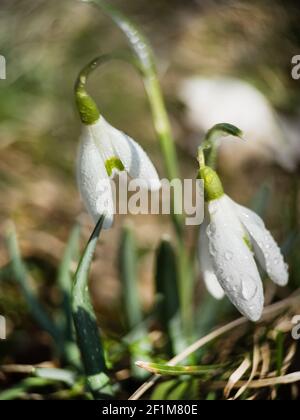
<point x="249" y="289"/>
<point x="212" y="249"/>
<point x="213" y="207"/>
<point x="220" y="272"/>
<point x="212" y="228"/>
<point x="228" y="255"/>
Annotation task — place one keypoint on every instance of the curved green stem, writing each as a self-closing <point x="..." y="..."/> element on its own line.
<point x="87" y="107"/>
<point x="209" y="147"/>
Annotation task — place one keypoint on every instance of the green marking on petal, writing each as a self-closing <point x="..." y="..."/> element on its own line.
<point x="247" y="241"/>
<point x="213" y="187"/>
<point x="114" y="163"/>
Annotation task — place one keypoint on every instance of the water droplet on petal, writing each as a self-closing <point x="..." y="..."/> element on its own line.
<point x="212" y="228"/>
<point x="249" y="289"/>
<point x="212" y="249"/>
<point x="213" y="207"/>
<point x="228" y="255"/>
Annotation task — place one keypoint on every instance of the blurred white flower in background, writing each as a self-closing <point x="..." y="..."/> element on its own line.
<point x="213" y="100"/>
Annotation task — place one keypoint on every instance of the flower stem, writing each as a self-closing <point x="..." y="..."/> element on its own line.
<point x="145" y="64"/>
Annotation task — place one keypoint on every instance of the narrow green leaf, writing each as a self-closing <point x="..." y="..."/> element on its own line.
<point x="21" y="389"/>
<point x="65" y="284"/>
<point x="65" y="280"/>
<point x="139" y="342"/>
<point x="166" y="281"/>
<point x="128" y="274"/>
<point x="21" y="276"/>
<point x="60" y="375"/>
<point x="162" y="389"/>
<point x="165" y="370"/>
<point x="87" y="331"/>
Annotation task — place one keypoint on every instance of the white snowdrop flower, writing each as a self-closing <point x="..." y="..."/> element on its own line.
<point x="230" y="240"/>
<point x="104" y="152"/>
<point x="211" y="100"/>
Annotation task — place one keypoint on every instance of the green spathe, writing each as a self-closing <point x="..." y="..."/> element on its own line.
<point x="87" y="107"/>
<point x="213" y="187"/>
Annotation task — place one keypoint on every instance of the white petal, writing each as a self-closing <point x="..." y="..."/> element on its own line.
<point x="100" y="133"/>
<point x="93" y="181"/>
<point x="233" y="261"/>
<point x="206" y="266"/>
<point x="134" y="158"/>
<point x="266" y="249"/>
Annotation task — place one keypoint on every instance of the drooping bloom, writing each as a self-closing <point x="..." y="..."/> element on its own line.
<point x="232" y="239"/>
<point x="103" y="152"/>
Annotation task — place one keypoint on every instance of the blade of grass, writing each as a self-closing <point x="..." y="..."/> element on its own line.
<point x="65" y="285"/>
<point x="166" y="281"/>
<point x="21" y="276"/>
<point x="87" y="332"/>
<point x="128" y="275"/>
<point x="139" y="343"/>
<point x="22" y="388"/>
<point x="61" y="375"/>
<point x="166" y="370"/>
<point x="65" y="281"/>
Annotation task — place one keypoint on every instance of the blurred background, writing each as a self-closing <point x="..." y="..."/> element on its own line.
<point x="45" y="44"/>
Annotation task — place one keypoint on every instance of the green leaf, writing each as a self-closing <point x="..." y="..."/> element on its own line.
<point x="128" y="276"/>
<point x="176" y="389"/>
<point x="60" y="375"/>
<point x="166" y="281"/>
<point x="139" y="342"/>
<point x="88" y="336"/>
<point x="162" y="390"/>
<point x="21" y="276"/>
<point x="65" y="284"/>
<point x="21" y="389"/>
<point x="166" y="370"/>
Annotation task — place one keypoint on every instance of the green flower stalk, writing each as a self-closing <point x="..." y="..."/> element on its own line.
<point x="146" y="64"/>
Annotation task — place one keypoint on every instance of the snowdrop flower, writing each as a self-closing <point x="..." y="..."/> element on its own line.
<point x="232" y="238"/>
<point x="104" y="152"/>
<point x="210" y="100"/>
